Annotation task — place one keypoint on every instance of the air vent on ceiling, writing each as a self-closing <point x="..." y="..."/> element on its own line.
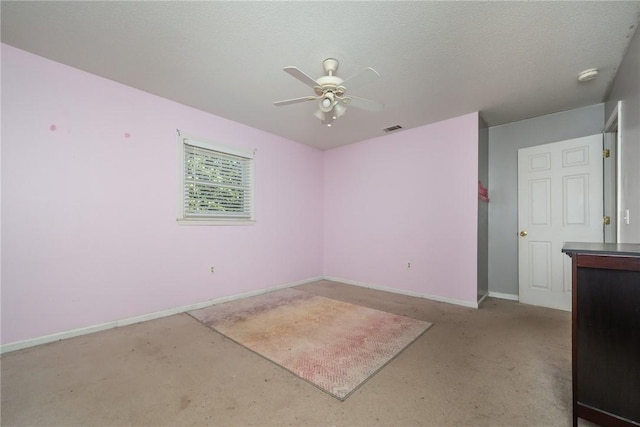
<point x="392" y="128"/>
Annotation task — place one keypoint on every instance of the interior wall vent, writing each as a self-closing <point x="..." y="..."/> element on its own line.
<point x="392" y="128"/>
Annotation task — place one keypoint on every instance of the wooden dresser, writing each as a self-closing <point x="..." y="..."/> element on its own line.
<point x="606" y="332"/>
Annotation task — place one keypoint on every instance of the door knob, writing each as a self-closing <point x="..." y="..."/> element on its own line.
<point x="523" y="233"/>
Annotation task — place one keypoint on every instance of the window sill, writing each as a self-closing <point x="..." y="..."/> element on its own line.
<point x="235" y="222"/>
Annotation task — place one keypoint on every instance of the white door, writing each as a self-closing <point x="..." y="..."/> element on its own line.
<point x="559" y="200"/>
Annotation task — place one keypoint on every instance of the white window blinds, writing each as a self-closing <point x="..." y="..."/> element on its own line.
<point x="217" y="185"/>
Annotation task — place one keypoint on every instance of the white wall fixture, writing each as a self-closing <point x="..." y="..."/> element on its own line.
<point x="588" y="75"/>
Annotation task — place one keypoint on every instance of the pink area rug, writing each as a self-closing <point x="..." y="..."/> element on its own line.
<point x="334" y="345"/>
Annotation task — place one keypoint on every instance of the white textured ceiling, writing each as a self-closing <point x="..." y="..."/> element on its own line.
<point x="437" y="60"/>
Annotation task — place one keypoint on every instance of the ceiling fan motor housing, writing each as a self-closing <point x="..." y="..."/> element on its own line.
<point x="329" y="87"/>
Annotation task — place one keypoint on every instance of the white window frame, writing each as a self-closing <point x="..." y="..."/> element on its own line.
<point x="183" y="218"/>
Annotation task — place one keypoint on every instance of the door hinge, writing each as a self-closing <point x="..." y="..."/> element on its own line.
<point x="606" y="220"/>
<point x="606" y="153"/>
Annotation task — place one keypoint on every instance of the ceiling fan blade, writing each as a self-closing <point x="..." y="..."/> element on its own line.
<point x="365" y="76"/>
<point x="295" y="100"/>
<point x="362" y="103"/>
<point x="300" y="75"/>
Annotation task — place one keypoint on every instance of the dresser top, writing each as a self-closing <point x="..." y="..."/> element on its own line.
<point x="628" y="249"/>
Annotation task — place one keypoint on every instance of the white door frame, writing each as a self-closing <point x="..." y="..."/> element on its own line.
<point x="611" y="176"/>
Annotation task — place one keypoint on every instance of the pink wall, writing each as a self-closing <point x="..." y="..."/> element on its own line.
<point x="88" y="209"/>
<point x="406" y="197"/>
<point x="88" y="214"/>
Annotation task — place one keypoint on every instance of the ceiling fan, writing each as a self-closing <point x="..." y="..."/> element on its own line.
<point x="331" y="92"/>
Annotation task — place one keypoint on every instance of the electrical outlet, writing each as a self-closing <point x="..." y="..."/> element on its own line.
<point x="213" y="269"/>
<point x="409" y="266"/>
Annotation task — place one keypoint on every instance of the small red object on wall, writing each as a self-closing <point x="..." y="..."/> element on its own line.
<point x="483" y="193"/>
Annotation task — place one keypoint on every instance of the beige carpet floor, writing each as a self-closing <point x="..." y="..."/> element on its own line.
<point x="506" y="364"/>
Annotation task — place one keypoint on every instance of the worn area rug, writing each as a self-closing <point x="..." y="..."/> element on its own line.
<point x="334" y="345"/>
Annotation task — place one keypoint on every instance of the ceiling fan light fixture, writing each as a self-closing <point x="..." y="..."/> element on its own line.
<point x="327" y="102"/>
<point x="338" y="110"/>
<point x="327" y="118"/>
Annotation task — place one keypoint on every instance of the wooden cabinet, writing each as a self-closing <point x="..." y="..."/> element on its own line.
<point x="606" y="333"/>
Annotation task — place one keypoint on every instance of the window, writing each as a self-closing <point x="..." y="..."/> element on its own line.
<point x="216" y="184"/>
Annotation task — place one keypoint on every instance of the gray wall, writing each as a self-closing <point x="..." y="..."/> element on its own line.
<point x="504" y="142"/>
<point x="483" y="210"/>
<point x="626" y="88"/>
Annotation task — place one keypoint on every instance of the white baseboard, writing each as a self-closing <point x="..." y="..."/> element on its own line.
<point x="19" y="345"/>
<point x="482" y="298"/>
<point x="438" y="298"/>
<point x="510" y="297"/>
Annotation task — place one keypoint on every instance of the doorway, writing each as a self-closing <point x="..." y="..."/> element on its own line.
<point x="560" y="199"/>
